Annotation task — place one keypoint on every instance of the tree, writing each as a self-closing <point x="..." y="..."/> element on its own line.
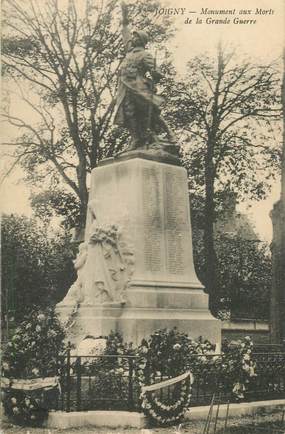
<point x="244" y="268"/>
<point x="37" y="266"/>
<point x="243" y="274"/>
<point x="54" y="203"/>
<point x="69" y="57"/>
<point x="228" y="114"/>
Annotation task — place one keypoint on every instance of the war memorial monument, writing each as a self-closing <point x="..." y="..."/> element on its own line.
<point x="135" y="270"/>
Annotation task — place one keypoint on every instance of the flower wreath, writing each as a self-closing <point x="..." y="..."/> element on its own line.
<point x="162" y="414"/>
<point x="25" y="408"/>
<point x="25" y="401"/>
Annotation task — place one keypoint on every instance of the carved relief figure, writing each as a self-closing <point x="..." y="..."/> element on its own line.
<point x="75" y="293"/>
<point x="105" y="273"/>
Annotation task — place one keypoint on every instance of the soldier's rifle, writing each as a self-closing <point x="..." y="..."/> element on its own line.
<point x="150" y="106"/>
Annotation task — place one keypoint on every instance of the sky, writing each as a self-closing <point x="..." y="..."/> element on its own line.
<point x="262" y="40"/>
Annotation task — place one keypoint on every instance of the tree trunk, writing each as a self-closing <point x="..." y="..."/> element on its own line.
<point x="210" y="254"/>
<point x="209" y="245"/>
<point x="95" y="142"/>
<point x="83" y="195"/>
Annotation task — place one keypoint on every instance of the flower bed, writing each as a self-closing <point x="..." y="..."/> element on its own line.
<point x="115" y="379"/>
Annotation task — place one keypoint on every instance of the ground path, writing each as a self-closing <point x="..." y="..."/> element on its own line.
<point x="242" y="425"/>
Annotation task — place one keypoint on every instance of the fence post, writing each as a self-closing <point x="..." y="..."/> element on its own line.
<point x="56" y="374"/>
<point x="62" y="381"/>
<point x="131" y="396"/>
<point x="147" y="373"/>
<point x="78" y="383"/>
<point x="68" y="379"/>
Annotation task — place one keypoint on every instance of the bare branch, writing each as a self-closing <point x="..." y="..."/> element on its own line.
<point x="27" y="76"/>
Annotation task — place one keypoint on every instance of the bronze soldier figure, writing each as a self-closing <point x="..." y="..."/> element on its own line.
<point x="137" y="104"/>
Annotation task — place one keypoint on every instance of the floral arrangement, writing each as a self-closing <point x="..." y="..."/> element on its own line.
<point x="25" y="408"/>
<point x="34" y="351"/>
<point x="105" y="234"/>
<point x="36" y="345"/>
<point x="164" y="355"/>
<point x="169" y="352"/>
<point x="237" y="366"/>
<point x="164" y="414"/>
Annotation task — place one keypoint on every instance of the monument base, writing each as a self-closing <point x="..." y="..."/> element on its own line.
<point x="154" y="309"/>
<point x="144" y="279"/>
<point x="139" y="323"/>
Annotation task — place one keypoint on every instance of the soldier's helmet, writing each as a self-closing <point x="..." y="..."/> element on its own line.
<point x="143" y="36"/>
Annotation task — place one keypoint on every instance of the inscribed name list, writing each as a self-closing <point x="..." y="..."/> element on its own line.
<point x="167" y="247"/>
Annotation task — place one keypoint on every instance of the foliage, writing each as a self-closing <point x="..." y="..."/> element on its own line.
<point x="228" y="114"/>
<point x="37" y="266"/>
<point x="34" y="349"/>
<point x="69" y="57"/>
<point x="244" y="268"/>
<point x="109" y="371"/>
<point x="167" y="352"/>
<point x="25" y="408"/>
<point x="237" y="367"/>
<point x="243" y="274"/>
<point x="54" y="203"/>
<point x="115" y="345"/>
<point x="243" y="262"/>
<point x="33" y="352"/>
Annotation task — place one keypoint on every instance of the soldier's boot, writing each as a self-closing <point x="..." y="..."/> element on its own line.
<point x="135" y="141"/>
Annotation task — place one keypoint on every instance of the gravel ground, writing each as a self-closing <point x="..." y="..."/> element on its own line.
<point x="235" y="426"/>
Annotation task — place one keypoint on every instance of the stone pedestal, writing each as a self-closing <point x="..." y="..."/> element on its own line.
<point x="149" y="202"/>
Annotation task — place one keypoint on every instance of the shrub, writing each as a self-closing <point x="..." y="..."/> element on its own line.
<point x="33" y="352"/>
<point x="237" y="367"/>
<point x="37" y="266"/>
<point x="169" y="352"/>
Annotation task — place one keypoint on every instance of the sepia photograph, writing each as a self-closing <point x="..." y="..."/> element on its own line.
<point x="142" y="185"/>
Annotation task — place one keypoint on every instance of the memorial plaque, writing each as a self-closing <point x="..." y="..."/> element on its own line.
<point x="152" y="219"/>
<point x="176" y="221"/>
<point x="165" y="233"/>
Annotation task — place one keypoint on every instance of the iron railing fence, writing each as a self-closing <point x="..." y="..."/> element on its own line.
<point x="97" y="382"/>
<point x="110" y="382"/>
<point x="269" y="348"/>
<point x="269" y="382"/>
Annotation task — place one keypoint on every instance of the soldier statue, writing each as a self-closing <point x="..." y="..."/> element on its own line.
<point x="137" y="103"/>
